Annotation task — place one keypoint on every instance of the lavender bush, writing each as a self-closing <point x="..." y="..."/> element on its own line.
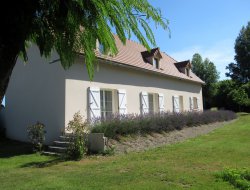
<point x="119" y="125"/>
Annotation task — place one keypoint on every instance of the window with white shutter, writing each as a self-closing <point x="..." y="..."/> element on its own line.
<point x="161" y="102"/>
<point x="94" y="103"/>
<point x="144" y="103"/>
<point x="122" y="101"/>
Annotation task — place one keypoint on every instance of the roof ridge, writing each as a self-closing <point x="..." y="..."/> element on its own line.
<point x="169" y="56"/>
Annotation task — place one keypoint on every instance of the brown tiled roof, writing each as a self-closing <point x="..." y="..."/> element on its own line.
<point x="131" y="55"/>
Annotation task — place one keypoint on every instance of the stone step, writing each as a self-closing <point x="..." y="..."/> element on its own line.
<point x="64" y="138"/>
<point x="61" y="143"/>
<point x="47" y="153"/>
<point x="57" y="149"/>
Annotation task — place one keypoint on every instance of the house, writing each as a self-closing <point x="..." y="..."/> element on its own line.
<point x="134" y="81"/>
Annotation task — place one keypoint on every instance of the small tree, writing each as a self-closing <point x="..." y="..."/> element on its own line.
<point x="36" y="134"/>
<point x="78" y="128"/>
<point x="230" y="95"/>
<point x="239" y="97"/>
<point x="206" y="70"/>
<point x="240" y="71"/>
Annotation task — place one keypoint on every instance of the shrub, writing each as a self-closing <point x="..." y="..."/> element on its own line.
<point x="36" y="134"/>
<point x="238" y="178"/>
<point x="77" y="147"/>
<point x="119" y="125"/>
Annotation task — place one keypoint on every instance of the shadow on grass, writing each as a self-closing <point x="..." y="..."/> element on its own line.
<point x="10" y="148"/>
<point x="44" y="164"/>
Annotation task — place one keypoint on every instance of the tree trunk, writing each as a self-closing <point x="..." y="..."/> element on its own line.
<point x="8" y="57"/>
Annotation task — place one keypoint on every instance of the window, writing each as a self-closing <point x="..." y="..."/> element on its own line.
<point x="106" y="103"/>
<point x="156" y="63"/>
<point x="188" y="72"/>
<point x="153" y="103"/>
<point x="178" y="104"/>
<point x="195" y="103"/>
<point x="181" y="103"/>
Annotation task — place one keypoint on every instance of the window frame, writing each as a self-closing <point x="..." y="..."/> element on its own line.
<point x="187" y="71"/>
<point x="103" y="103"/>
<point x="153" y="106"/>
<point x="195" y="103"/>
<point x="155" y="63"/>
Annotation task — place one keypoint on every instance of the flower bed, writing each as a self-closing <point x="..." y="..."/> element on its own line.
<point x="119" y="125"/>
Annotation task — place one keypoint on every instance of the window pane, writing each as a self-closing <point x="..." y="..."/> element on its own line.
<point x="195" y="103"/>
<point x="154" y="63"/>
<point x="101" y="48"/>
<point x="151" y="103"/>
<point x="106" y="103"/>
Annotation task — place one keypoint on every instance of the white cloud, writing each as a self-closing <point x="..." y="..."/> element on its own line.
<point x="221" y="54"/>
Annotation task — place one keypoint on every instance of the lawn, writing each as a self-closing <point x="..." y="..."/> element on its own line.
<point x="188" y="165"/>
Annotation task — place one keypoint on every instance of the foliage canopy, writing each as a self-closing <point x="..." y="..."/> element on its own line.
<point x="75" y="26"/>
<point x="206" y="70"/>
<point x="240" y="71"/>
<point x="70" y="26"/>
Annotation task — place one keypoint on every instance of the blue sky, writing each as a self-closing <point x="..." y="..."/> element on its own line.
<point x="208" y="27"/>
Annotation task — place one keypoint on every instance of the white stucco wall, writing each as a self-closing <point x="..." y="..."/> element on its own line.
<point x="36" y="92"/>
<point x="39" y="91"/>
<point x="133" y="81"/>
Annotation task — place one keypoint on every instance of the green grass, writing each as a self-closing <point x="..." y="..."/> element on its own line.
<point x="188" y="165"/>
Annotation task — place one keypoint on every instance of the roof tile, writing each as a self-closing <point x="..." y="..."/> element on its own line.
<point x="131" y="55"/>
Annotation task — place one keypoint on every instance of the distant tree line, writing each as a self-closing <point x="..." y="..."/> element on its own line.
<point x="232" y="94"/>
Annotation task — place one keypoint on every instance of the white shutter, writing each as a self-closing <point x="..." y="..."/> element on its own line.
<point x="94" y="103"/>
<point x="122" y="99"/>
<point x="144" y="103"/>
<point x="176" y="104"/>
<point x="191" y="103"/>
<point x="161" y="102"/>
<point x="198" y="104"/>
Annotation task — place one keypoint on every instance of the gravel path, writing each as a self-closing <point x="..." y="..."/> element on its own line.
<point x="141" y="143"/>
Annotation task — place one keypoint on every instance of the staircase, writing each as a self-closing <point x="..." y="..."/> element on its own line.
<point x="59" y="146"/>
<point x="96" y="143"/>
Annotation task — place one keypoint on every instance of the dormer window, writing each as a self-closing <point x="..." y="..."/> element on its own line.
<point x="184" y="67"/>
<point x="156" y="63"/>
<point x="152" y="57"/>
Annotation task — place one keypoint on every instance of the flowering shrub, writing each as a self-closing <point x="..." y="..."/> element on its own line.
<point x="36" y="134"/>
<point x="78" y="129"/>
<point x="117" y="125"/>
